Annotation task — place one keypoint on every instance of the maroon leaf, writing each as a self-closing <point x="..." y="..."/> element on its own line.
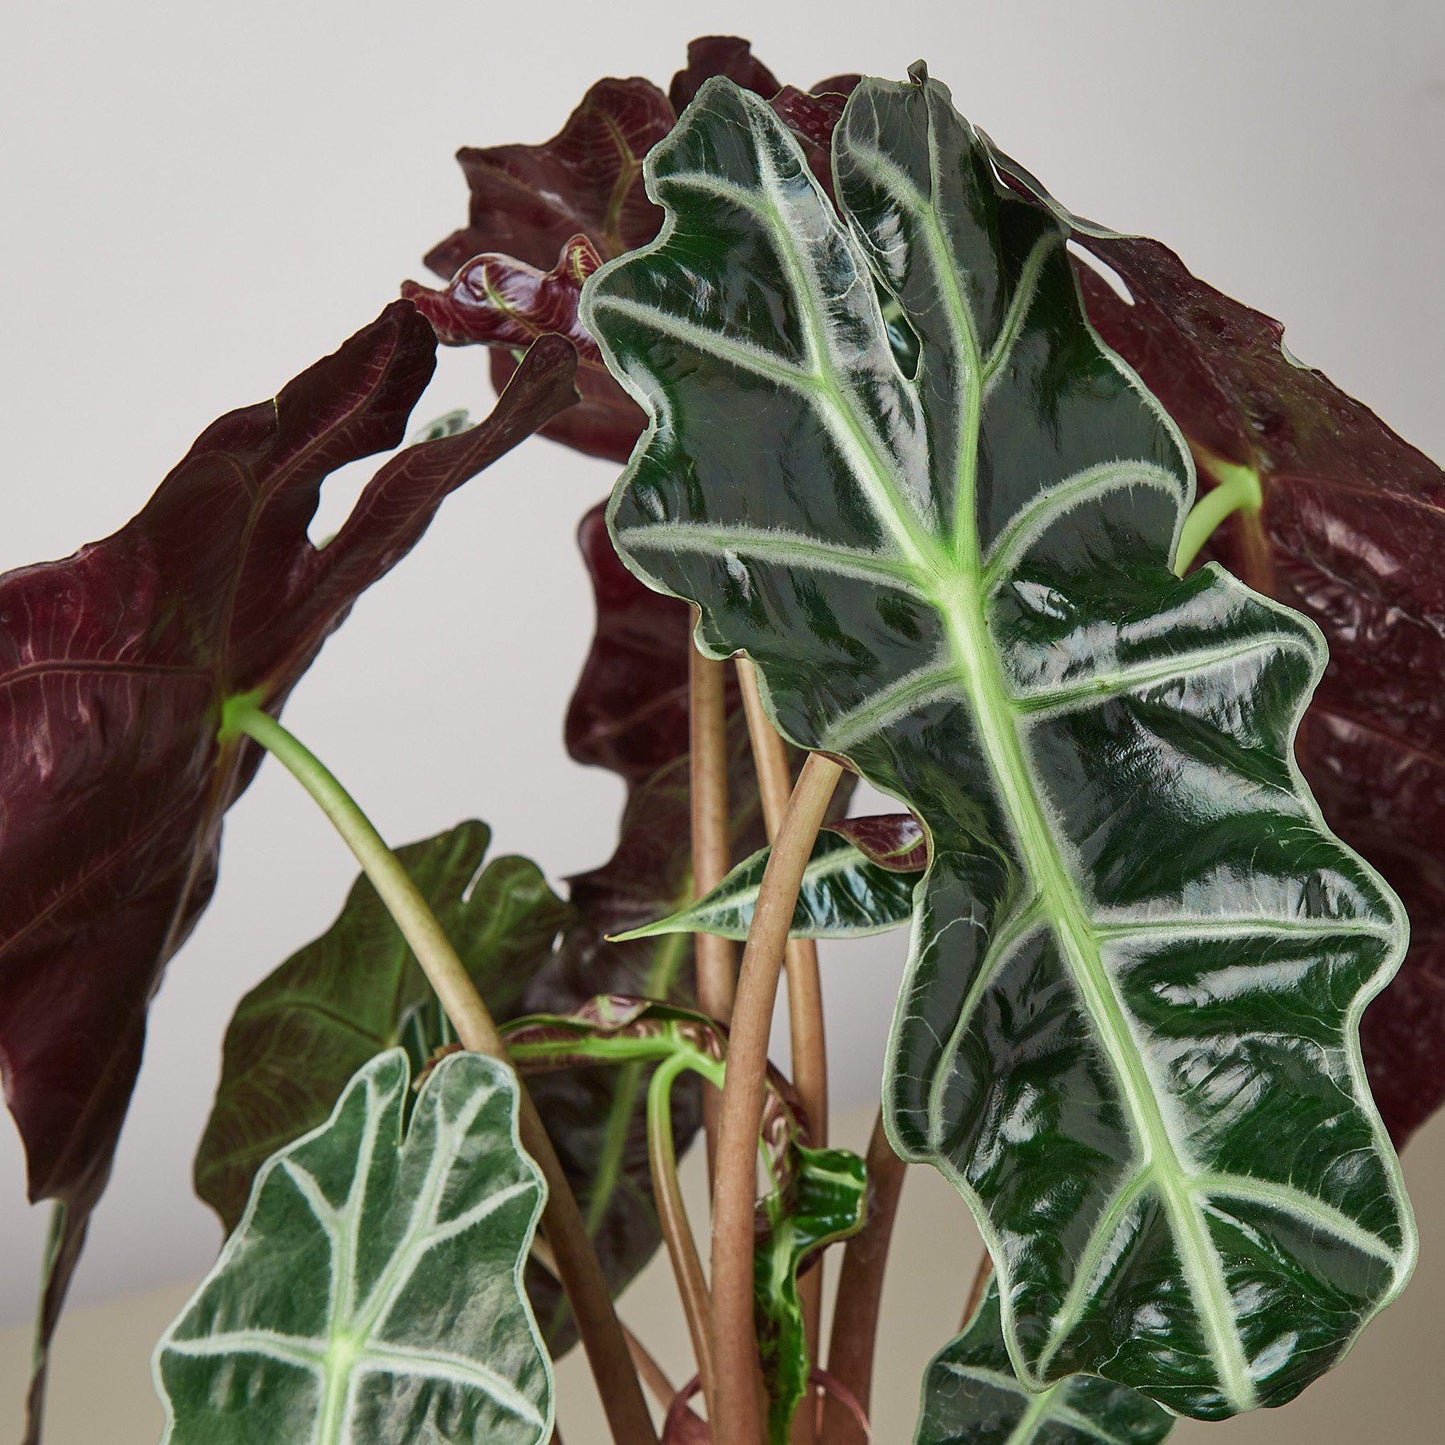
<point x="496" y="301"/>
<point x="894" y="841"/>
<point x="527" y="200"/>
<point x="728" y="55"/>
<point x="629" y="711"/>
<point x="1351" y="532"/>
<point x="530" y="204"/>
<point x="813" y="118"/>
<point x="113" y="665"/>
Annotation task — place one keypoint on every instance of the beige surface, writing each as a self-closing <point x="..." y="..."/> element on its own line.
<point x="1391" y="1389"/>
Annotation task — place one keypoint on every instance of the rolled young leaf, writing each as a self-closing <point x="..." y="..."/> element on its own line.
<point x="373" y="1290"/>
<point x="1129" y="1032"/>
<point x="297" y="1038"/>
<point x="843" y="895"/>
<point x="825" y="1201"/>
<point x="971" y="1396"/>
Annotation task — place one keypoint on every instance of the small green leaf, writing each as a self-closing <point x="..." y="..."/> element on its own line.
<point x="826" y="1199"/>
<point x="300" y="1034"/>
<point x="373" y="1290"/>
<point x="971" y="1396"/>
<point x="843" y="896"/>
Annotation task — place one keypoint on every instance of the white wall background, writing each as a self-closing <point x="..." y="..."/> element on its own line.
<point x="202" y="199"/>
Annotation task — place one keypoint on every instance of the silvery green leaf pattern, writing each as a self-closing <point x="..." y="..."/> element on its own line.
<point x="843" y="896"/>
<point x="971" y="1396"/>
<point x="1129" y="1029"/>
<point x="373" y="1289"/>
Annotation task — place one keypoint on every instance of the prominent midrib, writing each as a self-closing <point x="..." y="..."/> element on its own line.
<point x="961" y="606"/>
<point x="959" y="597"/>
<point x="951" y="578"/>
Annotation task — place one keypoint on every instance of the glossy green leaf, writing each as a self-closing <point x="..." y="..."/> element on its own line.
<point x="843" y="896"/>
<point x="971" y="1396"/>
<point x="373" y="1290"/>
<point x="298" y="1036"/>
<point x="826" y="1200"/>
<point x="1129" y="1030"/>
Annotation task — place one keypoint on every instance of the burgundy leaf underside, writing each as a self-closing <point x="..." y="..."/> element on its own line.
<point x="534" y="208"/>
<point x="113" y="666"/>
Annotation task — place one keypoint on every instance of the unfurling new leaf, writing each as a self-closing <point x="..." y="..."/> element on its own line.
<point x="1140" y="958"/>
<point x="824" y="1200"/>
<point x="373" y="1288"/>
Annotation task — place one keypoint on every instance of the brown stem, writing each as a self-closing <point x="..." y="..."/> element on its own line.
<point x="644" y="1361"/>
<point x="738" y="1419"/>
<point x="805" y="997"/>
<point x="860" y="1293"/>
<point x="716" y="957"/>
<point x="651" y="1373"/>
<point x="672" y="1217"/>
<point x="576" y="1259"/>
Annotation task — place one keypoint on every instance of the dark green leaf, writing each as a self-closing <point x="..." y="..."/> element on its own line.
<point x="373" y="1289"/>
<point x="826" y="1199"/>
<point x="1343" y="520"/>
<point x="843" y="895"/>
<point x="299" y="1035"/>
<point x="971" y="1396"/>
<point x="1129" y="1032"/>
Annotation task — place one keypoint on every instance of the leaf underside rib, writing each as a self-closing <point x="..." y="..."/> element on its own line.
<point x="1129" y="1028"/>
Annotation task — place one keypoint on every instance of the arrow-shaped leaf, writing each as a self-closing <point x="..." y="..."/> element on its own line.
<point x="1129" y="1029"/>
<point x="971" y="1396"/>
<point x="373" y="1289"/>
<point x="843" y="895"/>
<point x="297" y="1038"/>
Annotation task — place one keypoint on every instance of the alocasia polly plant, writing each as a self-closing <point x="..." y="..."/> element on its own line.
<point x="930" y="480"/>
